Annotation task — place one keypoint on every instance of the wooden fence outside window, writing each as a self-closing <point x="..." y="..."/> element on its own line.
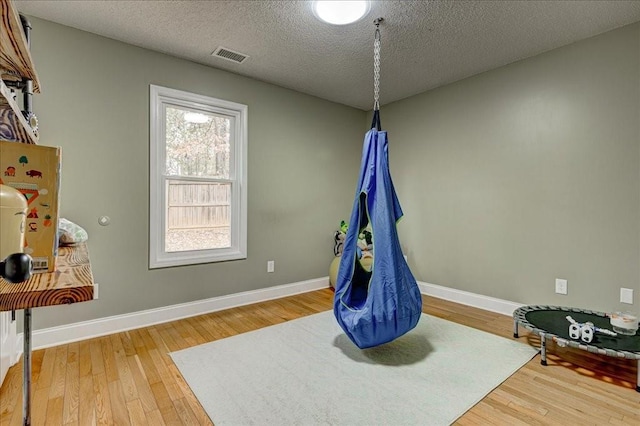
<point x="198" y="205"/>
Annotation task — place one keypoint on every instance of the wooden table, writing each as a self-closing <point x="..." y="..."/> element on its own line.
<point x="72" y="282"/>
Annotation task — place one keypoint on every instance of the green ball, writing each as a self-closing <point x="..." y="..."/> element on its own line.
<point x="333" y="271"/>
<point x="366" y="262"/>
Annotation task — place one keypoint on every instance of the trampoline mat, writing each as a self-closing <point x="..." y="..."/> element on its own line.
<point x="554" y="321"/>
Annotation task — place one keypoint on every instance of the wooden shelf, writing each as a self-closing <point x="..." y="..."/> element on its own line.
<point x="72" y="282"/>
<point x="12" y="119"/>
<point x="15" y="59"/>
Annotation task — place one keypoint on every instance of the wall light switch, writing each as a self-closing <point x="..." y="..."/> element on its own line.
<point x="271" y="266"/>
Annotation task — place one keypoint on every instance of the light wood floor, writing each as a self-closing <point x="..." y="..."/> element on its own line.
<point x="128" y="378"/>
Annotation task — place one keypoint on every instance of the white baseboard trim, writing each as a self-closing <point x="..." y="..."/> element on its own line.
<point x="68" y="333"/>
<point x="487" y="303"/>
<point x="64" y="334"/>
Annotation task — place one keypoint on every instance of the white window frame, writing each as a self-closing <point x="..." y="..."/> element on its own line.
<point x="160" y="98"/>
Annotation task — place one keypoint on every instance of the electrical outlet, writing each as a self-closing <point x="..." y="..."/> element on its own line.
<point x="626" y="295"/>
<point x="271" y="266"/>
<point x="96" y="291"/>
<point x="561" y="286"/>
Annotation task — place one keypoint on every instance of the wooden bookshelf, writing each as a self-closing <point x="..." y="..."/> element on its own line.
<point x="72" y="282"/>
<point x="15" y="59"/>
<point x="11" y="116"/>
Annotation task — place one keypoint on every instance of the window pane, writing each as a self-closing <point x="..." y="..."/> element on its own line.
<point x="197" y="143"/>
<point x="198" y="216"/>
<point x="197" y="172"/>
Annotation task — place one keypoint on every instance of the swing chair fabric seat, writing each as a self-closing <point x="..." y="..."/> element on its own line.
<point x="379" y="306"/>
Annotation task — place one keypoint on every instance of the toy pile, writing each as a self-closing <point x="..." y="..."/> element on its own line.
<point x="365" y="241"/>
<point x="364" y="249"/>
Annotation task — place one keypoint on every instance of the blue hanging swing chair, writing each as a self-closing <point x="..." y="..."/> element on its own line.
<point x="377" y="306"/>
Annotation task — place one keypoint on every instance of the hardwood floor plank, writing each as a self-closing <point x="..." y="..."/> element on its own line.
<point x="127" y="343"/>
<point x="84" y="358"/>
<point x="179" y="342"/>
<point x="471" y="419"/>
<point x="136" y="339"/>
<point x="163" y="401"/>
<point x="165" y="404"/>
<point x="184" y="412"/>
<point x="11" y="393"/>
<point x="36" y="363"/>
<point x="166" y="376"/>
<point x="206" y="334"/>
<point x="129" y="377"/>
<point x="55" y="408"/>
<point x="494" y="415"/>
<point x="56" y="390"/>
<point x="118" y="404"/>
<point x="218" y="330"/>
<point x="136" y="413"/>
<point x="155" y="418"/>
<point x="158" y="341"/>
<point x="109" y="359"/>
<point x="39" y="402"/>
<point x="104" y="414"/>
<point x="46" y="370"/>
<point x="71" y="392"/>
<point x="189" y="334"/>
<point x="16" y="417"/>
<point x="97" y="360"/>
<point x="521" y="404"/>
<point x="149" y="342"/>
<point x="147" y="365"/>
<point x="124" y="371"/>
<point x="142" y="385"/>
<point x="167" y="335"/>
<point x="86" y="403"/>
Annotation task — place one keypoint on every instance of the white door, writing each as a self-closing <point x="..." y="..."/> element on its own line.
<point x="7" y="343"/>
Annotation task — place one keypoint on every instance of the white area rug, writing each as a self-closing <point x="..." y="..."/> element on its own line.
<point x="307" y="372"/>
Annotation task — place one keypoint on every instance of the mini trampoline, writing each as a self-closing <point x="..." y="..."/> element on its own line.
<point x="549" y="322"/>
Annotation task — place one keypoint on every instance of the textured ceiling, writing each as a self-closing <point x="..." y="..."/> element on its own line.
<point x="425" y="44"/>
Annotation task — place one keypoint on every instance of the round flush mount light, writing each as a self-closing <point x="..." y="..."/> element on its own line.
<point x="195" y="117"/>
<point x="340" y="12"/>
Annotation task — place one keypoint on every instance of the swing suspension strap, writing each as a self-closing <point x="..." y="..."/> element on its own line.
<point x="376" y="76"/>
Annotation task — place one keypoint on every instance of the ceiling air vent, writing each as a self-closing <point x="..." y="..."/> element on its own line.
<point x="230" y="55"/>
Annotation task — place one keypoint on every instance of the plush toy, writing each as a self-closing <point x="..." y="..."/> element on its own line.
<point x="364" y="250"/>
<point x="338" y="239"/>
<point x="364" y="245"/>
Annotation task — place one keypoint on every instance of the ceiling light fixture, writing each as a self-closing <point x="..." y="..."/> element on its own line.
<point x="340" y="12"/>
<point x="195" y="117"/>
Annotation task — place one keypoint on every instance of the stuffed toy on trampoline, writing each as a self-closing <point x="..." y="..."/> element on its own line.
<point x="377" y="306"/>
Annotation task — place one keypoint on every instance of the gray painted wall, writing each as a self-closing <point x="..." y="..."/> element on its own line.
<point x="95" y="103"/>
<point x="508" y="179"/>
<point x="527" y="173"/>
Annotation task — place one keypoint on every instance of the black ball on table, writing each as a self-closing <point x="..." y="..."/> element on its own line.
<point x="16" y="267"/>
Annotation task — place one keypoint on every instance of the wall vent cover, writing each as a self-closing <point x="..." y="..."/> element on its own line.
<point x="230" y="55"/>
